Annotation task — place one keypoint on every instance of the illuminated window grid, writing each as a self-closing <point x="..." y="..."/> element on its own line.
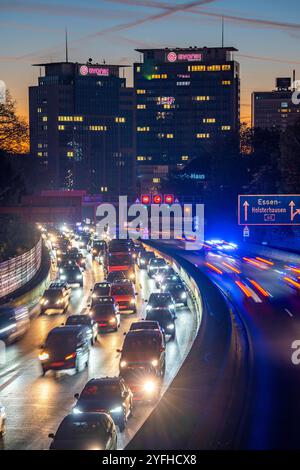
<point x="61" y="127"/>
<point x="209" y="68"/>
<point x="70" y="118"/>
<point x="201" y="98"/>
<point x="70" y="154"/>
<point x="140" y="106"/>
<point x="98" y="128"/>
<point x="140" y="92"/>
<point x="155" y="180"/>
<point x="143" y="129"/>
<point x="209" y="120"/>
<point x="120" y="119"/>
<point x="202" y="135"/>
<point x="158" y="76"/>
<point x="170" y="136"/>
<point x="225" y="128"/>
<point x="184" y="158"/>
<point x="226" y="82"/>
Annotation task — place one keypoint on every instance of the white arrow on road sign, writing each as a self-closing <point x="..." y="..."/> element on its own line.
<point x="246" y="205"/>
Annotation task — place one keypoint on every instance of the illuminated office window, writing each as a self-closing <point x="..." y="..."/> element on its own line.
<point x="140" y="158"/>
<point x="226" y="128"/>
<point x="196" y="68"/>
<point x="140" y="92"/>
<point x="45" y="118"/>
<point x="226" y="82"/>
<point x="170" y="136"/>
<point x="98" y="128"/>
<point x="61" y="127"/>
<point x="143" y="129"/>
<point x="138" y="69"/>
<point x="155" y="180"/>
<point x="226" y="67"/>
<point x="70" y="153"/>
<point x="120" y="119"/>
<point x="39" y="110"/>
<point x="209" y="120"/>
<point x="40" y="154"/>
<point x="78" y="118"/>
<point x="184" y="158"/>
<point x="203" y="136"/>
<point x="201" y="98"/>
<point x="141" y="106"/>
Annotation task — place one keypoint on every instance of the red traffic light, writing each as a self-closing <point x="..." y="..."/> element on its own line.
<point x="169" y="199"/>
<point x="157" y="199"/>
<point x="146" y="199"/>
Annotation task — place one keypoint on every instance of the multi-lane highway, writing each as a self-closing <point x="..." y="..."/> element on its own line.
<point x="268" y="304"/>
<point x="35" y="405"/>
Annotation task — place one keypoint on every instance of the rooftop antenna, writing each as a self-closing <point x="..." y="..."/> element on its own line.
<point x="222" y="31"/>
<point x="67" y="54"/>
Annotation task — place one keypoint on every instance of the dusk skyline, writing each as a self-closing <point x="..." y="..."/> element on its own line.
<point x="265" y="34"/>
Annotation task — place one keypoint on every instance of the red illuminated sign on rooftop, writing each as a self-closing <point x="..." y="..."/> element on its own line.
<point x="184" y="56"/>
<point x="93" y="70"/>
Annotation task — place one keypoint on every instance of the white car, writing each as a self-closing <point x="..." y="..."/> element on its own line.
<point x="2" y="420"/>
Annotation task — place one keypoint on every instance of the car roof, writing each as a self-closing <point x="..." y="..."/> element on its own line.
<point x="106" y="380"/>
<point x="57" y="285"/>
<point x="139" y="333"/>
<point x="103" y="283"/>
<point x="61" y="330"/>
<point x="85" y="416"/>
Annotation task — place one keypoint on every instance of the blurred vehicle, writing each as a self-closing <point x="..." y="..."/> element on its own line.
<point x="158" y="300"/>
<point x="124" y="293"/>
<point x="165" y="319"/>
<point x="156" y="265"/>
<point x="121" y="262"/>
<point x="2" y="420"/>
<point x="100" y="289"/>
<point x="106" y="314"/>
<point x="78" y="258"/>
<point x="71" y="273"/>
<point x="144" y="258"/>
<point x="106" y="395"/>
<point x="121" y="246"/>
<point x="87" y="321"/>
<point x="66" y="347"/>
<point x="85" y="431"/>
<point x="14" y="323"/>
<point x="64" y="286"/>
<point x="98" y="249"/>
<point x="142" y="362"/>
<point x="55" y="299"/>
<point x="115" y="275"/>
<point x="178" y="292"/>
<point x="85" y="238"/>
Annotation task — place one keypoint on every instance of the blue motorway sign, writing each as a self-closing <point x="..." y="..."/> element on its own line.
<point x="269" y="209"/>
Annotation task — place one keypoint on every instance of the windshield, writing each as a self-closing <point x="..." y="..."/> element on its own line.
<point x="53" y="294"/>
<point x="101" y="390"/>
<point x="102" y="311"/>
<point x="158" y="262"/>
<point x="161" y="316"/>
<point x="121" y="290"/>
<point x="116" y="260"/>
<point x="160" y="299"/>
<point x="143" y="344"/>
<point x="78" y="320"/>
<point x="80" y="429"/>
<point x="101" y="290"/>
<point x="61" y="342"/>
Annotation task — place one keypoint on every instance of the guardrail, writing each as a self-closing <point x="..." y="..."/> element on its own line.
<point x="18" y="271"/>
<point x="204" y="405"/>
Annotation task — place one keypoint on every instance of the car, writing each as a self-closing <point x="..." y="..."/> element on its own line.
<point x="109" y="395"/>
<point x="55" y="299"/>
<point x="144" y="258"/>
<point x="124" y="293"/>
<point x="156" y="265"/>
<point x="85" y="431"/>
<point x="158" y="300"/>
<point x="100" y="289"/>
<point x="87" y="321"/>
<point x="115" y="275"/>
<point x="14" y="323"/>
<point x="142" y="362"/>
<point x="99" y="250"/>
<point x="106" y="314"/>
<point x="2" y="420"/>
<point x="168" y="279"/>
<point x="78" y="258"/>
<point x="178" y="293"/>
<point x="144" y="325"/>
<point x="71" y="274"/>
<point x="165" y="319"/>
<point x="121" y="262"/>
<point x="66" y="347"/>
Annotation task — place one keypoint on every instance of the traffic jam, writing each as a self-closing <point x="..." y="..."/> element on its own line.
<point x="103" y="408"/>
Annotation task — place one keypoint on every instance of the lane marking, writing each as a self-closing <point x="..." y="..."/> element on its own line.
<point x="9" y="381"/>
<point x="288" y="312"/>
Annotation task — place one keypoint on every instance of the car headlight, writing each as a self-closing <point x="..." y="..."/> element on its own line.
<point x="123" y="364"/>
<point x="79" y="276"/>
<point x="171" y="326"/>
<point x="152" y="267"/>
<point x="76" y="411"/>
<point x="132" y="301"/>
<point x="171" y="306"/>
<point x="43" y="356"/>
<point x="149" y="386"/>
<point x="183" y="295"/>
<point x="61" y="270"/>
<point x="148" y="307"/>
<point x="131" y="276"/>
<point x="112" y="320"/>
<point x="117" y="409"/>
<point x="154" y="363"/>
<point x="63" y="277"/>
<point x="94" y="251"/>
<point x="94" y="296"/>
<point x="142" y="261"/>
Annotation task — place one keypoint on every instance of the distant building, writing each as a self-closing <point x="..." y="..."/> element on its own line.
<point x="82" y="127"/>
<point x="274" y="108"/>
<point x="187" y="99"/>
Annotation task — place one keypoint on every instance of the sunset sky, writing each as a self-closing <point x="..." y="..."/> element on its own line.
<point x="267" y="34"/>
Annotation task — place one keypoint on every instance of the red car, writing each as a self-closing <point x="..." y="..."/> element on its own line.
<point x="124" y="293"/>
